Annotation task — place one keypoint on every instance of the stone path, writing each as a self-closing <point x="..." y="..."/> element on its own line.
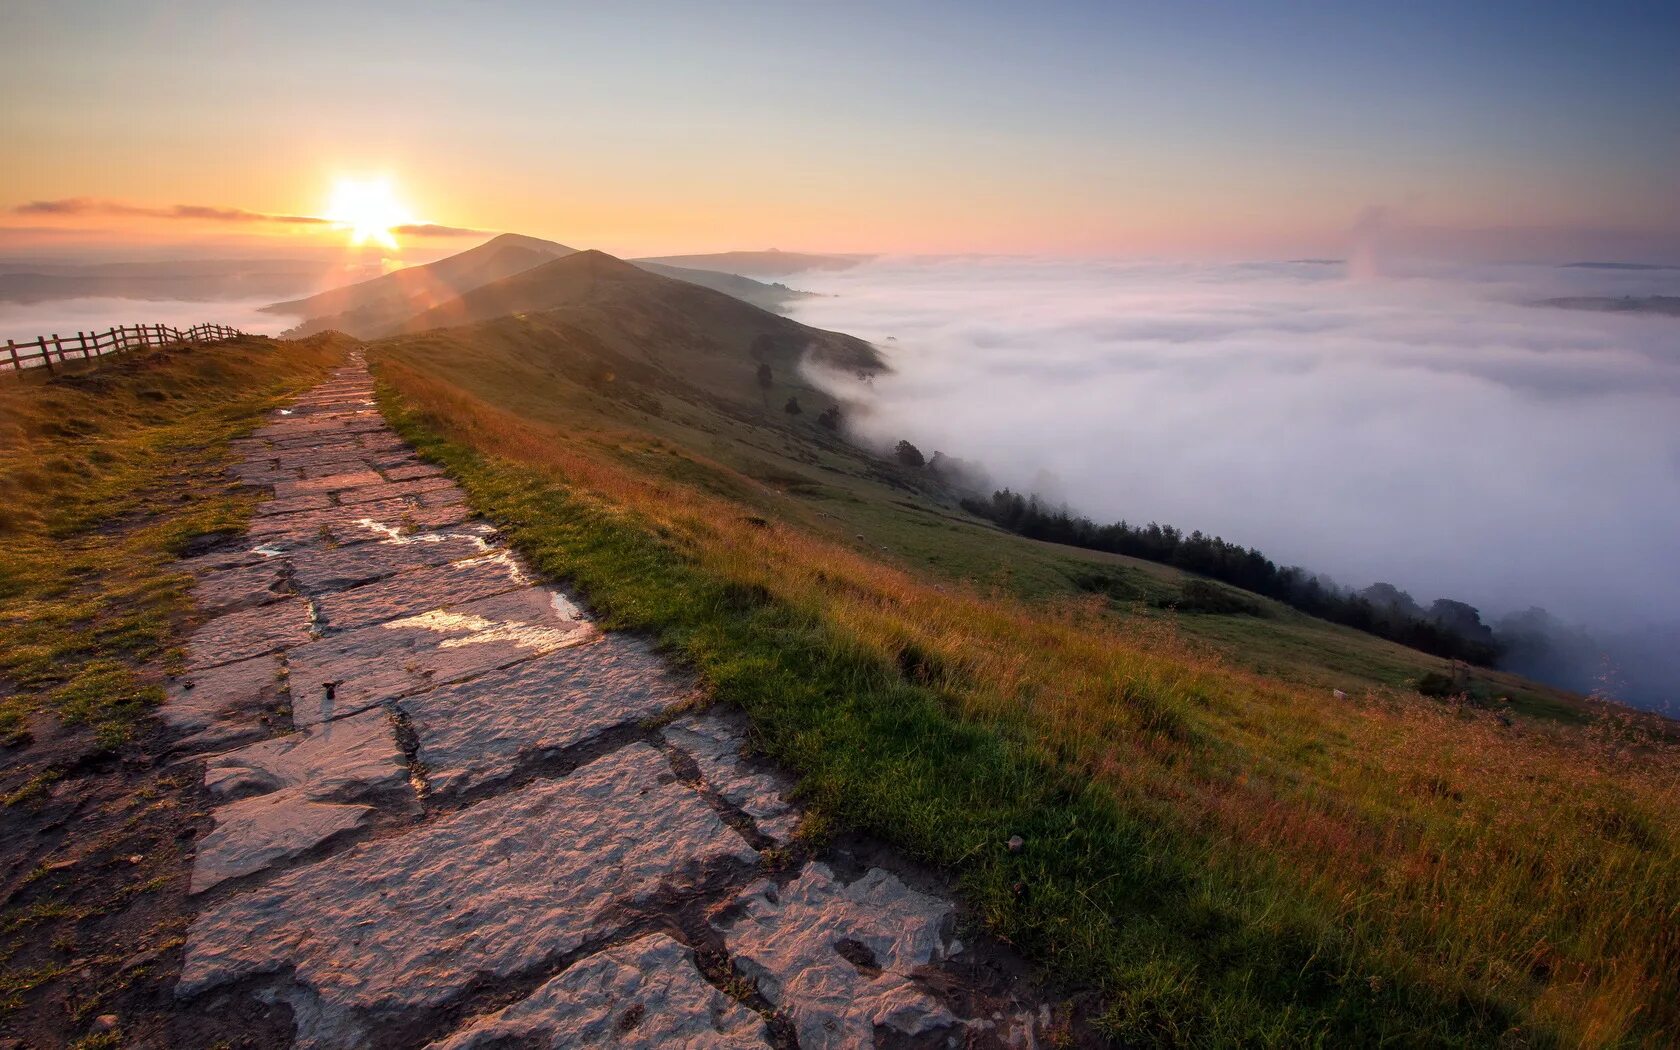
<point x="450" y="811"/>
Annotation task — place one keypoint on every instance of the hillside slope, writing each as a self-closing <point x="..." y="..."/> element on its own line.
<point x="1216" y="847"/>
<point x="772" y="297"/>
<point x="635" y="319"/>
<point x="372" y="306"/>
<point x="379" y="306"/>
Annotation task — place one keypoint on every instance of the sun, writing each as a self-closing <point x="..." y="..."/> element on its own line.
<point x="368" y="208"/>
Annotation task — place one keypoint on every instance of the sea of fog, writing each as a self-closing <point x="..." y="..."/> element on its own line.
<point x="1429" y="427"/>
<point x="65" y="317"/>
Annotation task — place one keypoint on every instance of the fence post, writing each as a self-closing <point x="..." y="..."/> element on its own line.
<point x="11" y="348"/>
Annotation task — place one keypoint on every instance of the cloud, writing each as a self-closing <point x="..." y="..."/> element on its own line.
<point x="201" y="212"/>
<point x="79" y="206"/>
<point x="1431" y="429"/>
<point x="429" y="229"/>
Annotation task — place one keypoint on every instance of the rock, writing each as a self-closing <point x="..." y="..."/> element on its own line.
<point x="254" y="833"/>
<point x="250" y="632"/>
<point x="483" y="729"/>
<point x="647" y="993"/>
<point x="1015" y="843"/>
<point x="223" y="705"/>
<point x="411" y="471"/>
<point x="437" y="587"/>
<point x="298" y="782"/>
<point x="837" y="960"/>
<point x="244" y="587"/>
<point x="492" y="891"/>
<point x="346" y="758"/>
<point x="717" y="749"/>
<point x="373" y="664"/>
<point x="352" y="523"/>
<point x="330" y="483"/>
<point x="316" y="570"/>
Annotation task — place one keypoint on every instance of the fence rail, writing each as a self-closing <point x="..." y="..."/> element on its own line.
<point x="47" y="349"/>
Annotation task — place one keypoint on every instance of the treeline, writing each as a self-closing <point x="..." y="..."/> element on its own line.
<point x="1448" y="628"/>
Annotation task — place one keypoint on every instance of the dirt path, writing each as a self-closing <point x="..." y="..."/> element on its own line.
<point x="486" y="822"/>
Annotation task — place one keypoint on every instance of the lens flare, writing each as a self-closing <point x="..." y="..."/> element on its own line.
<point x="369" y="210"/>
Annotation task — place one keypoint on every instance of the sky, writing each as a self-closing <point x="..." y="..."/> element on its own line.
<point x="1489" y="130"/>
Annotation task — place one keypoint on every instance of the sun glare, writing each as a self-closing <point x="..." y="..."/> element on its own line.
<point x="368" y="208"/>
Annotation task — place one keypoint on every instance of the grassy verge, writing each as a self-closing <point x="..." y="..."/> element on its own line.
<point x="107" y="475"/>
<point x="1227" y="858"/>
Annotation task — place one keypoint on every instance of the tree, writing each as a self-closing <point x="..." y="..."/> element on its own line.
<point x="909" y="454"/>
<point x="792" y="407"/>
<point x="830" y="417"/>
<point x="765" y="378"/>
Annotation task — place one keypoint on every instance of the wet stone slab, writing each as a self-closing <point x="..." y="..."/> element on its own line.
<point x="412" y="921"/>
<point x="249" y="632"/>
<point x="838" y="959"/>
<point x="644" y="994"/>
<point x="280" y="797"/>
<point x="438" y="587"/>
<point x="326" y="483"/>
<point x="482" y="730"/>
<point x="316" y="570"/>
<point x="370" y="665"/>
<point x="293" y="504"/>
<point x="346" y="758"/>
<point x="413" y="470"/>
<point x="395" y="490"/>
<point x="350" y="524"/>
<point x="241" y="587"/>
<point x="224" y="705"/>
<point x="717" y="746"/>
<point x="255" y="833"/>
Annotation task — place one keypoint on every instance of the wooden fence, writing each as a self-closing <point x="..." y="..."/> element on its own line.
<point x="47" y="349"/>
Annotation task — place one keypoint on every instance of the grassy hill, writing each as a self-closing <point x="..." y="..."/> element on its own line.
<point x="382" y="305"/>
<point x="1217" y="849"/>
<point x="606" y="318"/>
<point x="372" y="307"/>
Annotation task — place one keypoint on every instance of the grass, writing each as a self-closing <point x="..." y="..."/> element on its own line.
<point x="1227" y="856"/>
<point x="108" y="473"/>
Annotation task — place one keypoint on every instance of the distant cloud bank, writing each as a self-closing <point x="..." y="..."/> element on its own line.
<point x="1429" y="428"/>
<point x="91" y="206"/>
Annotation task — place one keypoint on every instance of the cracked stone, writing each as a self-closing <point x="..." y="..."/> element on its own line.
<point x="370" y="665"/>
<point x="293" y="505"/>
<point x="408" y="472"/>
<point x="241" y="587"/>
<point x="224" y="704"/>
<point x="718" y="750"/>
<point x="349" y="757"/>
<point x="483" y="729"/>
<point x="410" y="922"/>
<point x="316" y="570"/>
<point x="249" y="632"/>
<point x="647" y="993"/>
<point x="438" y="587"/>
<point x="396" y="490"/>
<point x="801" y="945"/>
<point x="353" y="523"/>
<point x="254" y="833"/>
<point x="329" y="483"/>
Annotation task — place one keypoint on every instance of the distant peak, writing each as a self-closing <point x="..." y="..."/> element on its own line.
<point x="535" y="244"/>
